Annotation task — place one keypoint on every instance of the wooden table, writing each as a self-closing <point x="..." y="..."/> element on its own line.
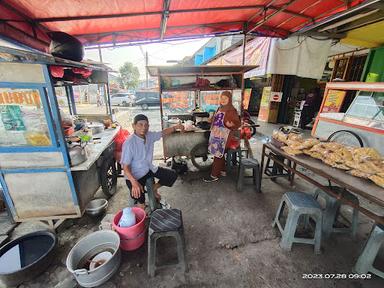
<point x="361" y="187"/>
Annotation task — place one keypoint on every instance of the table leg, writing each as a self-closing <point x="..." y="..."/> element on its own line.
<point x="293" y="173"/>
<point x="262" y="163"/>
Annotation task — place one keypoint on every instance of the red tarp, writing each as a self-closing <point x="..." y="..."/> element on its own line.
<point x="115" y="21"/>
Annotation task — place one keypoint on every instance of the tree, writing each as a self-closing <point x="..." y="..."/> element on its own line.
<point x="129" y="76"/>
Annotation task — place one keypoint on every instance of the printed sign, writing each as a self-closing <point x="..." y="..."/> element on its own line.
<point x="22" y="118"/>
<point x="276" y="96"/>
<point x="26" y="97"/>
<point x="219" y="135"/>
<point x="264" y="104"/>
<point x="246" y="97"/>
<point x="333" y="101"/>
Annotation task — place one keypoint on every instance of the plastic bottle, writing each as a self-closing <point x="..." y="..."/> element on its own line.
<point x="128" y="218"/>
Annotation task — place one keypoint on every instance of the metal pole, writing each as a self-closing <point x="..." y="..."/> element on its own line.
<point x="244" y="42"/>
<point x="100" y="54"/>
<point x="146" y="65"/>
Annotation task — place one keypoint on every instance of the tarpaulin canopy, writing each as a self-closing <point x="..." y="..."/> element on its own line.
<point x="97" y="22"/>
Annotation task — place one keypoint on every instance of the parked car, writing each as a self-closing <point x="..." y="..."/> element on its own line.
<point x="122" y="99"/>
<point x="146" y="99"/>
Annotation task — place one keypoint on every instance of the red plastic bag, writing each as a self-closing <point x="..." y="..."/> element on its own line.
<point x="120" y="138"/>
<point x="246" y="133"/>
<point x="234" y="143"/>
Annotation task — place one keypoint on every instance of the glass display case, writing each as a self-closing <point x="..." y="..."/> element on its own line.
<point x="368" y="109"/>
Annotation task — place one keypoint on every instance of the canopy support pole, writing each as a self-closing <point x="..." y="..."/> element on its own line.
<point x="164" y="18"/>
<point x="244" y="42"/>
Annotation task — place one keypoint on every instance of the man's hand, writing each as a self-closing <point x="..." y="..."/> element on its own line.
<point x="229" y="124"/>
<point x="137" y="189"/>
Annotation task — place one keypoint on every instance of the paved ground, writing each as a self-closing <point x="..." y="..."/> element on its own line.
<point x="229" y="239"/>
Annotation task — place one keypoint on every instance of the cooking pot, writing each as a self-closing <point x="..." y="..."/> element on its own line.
<point x="77" y="155"/>
<point x="96" y="127"/>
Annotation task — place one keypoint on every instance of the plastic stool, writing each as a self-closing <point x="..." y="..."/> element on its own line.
<point x="165" y="223"/>
<point x="249" y="163"/>
<point x="332" y="211"/>
<point x="298" y="203"/>
<point x="233" y="157"/>
<point x="276" y="170"/>
<point x="365" y="262"/>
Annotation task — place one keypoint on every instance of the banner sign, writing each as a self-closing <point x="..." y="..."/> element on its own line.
<point x="256" y="53"/>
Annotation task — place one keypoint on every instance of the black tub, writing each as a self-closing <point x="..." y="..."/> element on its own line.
<point x="26" y="257"/>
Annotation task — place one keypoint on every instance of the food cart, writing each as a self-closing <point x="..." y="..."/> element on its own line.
<point x="191" y="94"/>
<point x="38" y="173"/>
<point x="352" y="113"/>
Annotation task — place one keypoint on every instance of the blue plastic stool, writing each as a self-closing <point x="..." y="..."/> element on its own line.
<point x="298" y="203"/>
<point x="166" y="223"/>
<point x="365" y="262"/>
<point x="332" y="211"/>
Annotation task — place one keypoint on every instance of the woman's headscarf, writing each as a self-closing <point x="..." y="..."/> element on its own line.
<point x="229" y="106"/>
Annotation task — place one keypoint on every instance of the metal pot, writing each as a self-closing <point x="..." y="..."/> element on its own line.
<point x="96" y="128"/>
<point x="77" y="155"/>
<point x="96" y="207"/>
<point x="35" y="251"/>
<point x="82" y="254"/>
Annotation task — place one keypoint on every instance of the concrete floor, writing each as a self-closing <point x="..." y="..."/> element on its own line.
<point x="229" y="238"/>
<point x="229" y="242"/>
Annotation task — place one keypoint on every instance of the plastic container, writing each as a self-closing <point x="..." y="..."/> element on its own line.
<point x="128" y="218"/>
<point x="26" y="257"/>
<point x="372" y="77"/>
<point x="131" y="238"/>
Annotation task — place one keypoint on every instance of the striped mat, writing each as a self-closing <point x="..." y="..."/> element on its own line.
<point x="163" y="220"/>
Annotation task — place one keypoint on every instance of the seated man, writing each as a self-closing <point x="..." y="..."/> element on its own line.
<point x="137" y="156"/>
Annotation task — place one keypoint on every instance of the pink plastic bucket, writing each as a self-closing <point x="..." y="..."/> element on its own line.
<point x="132" y="237"/>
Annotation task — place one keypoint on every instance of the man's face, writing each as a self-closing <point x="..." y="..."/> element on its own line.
<point x="141" y="127"/>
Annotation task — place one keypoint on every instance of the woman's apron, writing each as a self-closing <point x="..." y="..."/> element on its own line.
<point x="219" y="136"/>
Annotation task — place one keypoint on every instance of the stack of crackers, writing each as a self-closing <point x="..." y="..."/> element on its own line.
<point x="361" y="162"/>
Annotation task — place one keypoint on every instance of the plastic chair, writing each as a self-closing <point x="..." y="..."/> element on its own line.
<point x="165" y="223"/>
<point x="366" y="259"/>
<point x="249" y="163"/>
<point x="332" y="211"/>
<point x="298" y="203"/>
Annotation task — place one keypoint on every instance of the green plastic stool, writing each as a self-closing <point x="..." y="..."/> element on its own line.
<point x="365" y="262"/>
<point x="332" y="211"/>
<point x="298" y="203"/>
<point x="249" y="163"/>
<point x="166" y="223"/>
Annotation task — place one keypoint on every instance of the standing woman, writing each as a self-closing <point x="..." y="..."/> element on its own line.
<point x="225" y="122"/>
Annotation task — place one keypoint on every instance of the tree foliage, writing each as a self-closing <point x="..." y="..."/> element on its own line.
<point x="129" y="76"/>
